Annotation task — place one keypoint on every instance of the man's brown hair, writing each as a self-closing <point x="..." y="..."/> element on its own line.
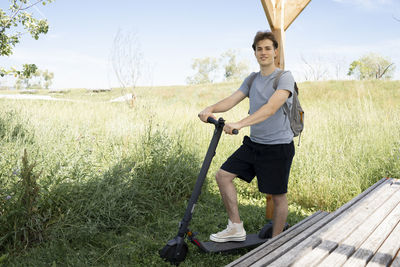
<point x="262" y="36"/>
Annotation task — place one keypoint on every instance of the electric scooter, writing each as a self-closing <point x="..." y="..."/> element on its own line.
<point x="176" y="249"/>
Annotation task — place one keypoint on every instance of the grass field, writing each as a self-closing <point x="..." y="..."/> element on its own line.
<point x="103" y="184"/>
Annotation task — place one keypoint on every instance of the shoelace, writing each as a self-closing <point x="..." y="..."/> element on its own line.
<point x="228" y="228"/>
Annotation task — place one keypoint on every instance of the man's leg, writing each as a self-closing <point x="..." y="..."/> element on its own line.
<point x="280" y="213"/>
<point x="228" y="193"/>
<point x="234" y="230"/>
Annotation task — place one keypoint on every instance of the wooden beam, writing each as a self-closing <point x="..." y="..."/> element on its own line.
<point x="269" y="9"/>
<point x="280" y="58"/>
<point x="280" y="15"/>
<point x="293" y="8"/>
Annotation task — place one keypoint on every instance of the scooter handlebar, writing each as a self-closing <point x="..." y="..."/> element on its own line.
<point x="216" y="123"/>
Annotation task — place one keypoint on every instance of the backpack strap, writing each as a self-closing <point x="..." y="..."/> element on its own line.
<point x="276" y="81"/>
<point x="277" y="78"/>
<point x="251" y="79"/>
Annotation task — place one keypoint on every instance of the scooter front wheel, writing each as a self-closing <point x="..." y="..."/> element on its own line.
<point x="175" y="253"/>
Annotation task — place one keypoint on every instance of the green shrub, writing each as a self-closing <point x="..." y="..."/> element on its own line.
<point x="159" y="173"/>
<point x="21" y="220"/>
<point x="13" y="128"/>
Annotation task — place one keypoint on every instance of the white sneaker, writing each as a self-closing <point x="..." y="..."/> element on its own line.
<point x="233" y="232"/>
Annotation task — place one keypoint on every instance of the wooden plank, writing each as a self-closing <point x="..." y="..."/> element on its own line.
<point x="322" y="226"/>
<point x="307" y="245"/>
<point x="339" y="256"/>
<point x="342" y="227"/>
<point x="396" y="261"/>
<point x="249" y="258"/>
<point x="276" y="242"/>
<point x="367" y="250"/>
<point x="388" y="250"/>
<point x="293" y="8"/>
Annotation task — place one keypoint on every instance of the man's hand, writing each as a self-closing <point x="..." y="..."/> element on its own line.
<point x="205" y="113"/>
<point x="229" y="127"/>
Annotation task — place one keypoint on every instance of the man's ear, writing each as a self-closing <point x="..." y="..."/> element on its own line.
<point x="276" y="53"/>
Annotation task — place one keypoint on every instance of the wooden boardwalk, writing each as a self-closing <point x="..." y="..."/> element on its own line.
<point x="363" y="232"/>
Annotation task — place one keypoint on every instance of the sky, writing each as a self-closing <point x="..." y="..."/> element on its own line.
<point x="171" y="34"/>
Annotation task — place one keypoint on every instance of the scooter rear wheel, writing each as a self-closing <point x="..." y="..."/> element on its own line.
<point x="266" y="231"/>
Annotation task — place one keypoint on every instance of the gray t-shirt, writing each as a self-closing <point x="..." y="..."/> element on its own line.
<point x="276" y="129"/>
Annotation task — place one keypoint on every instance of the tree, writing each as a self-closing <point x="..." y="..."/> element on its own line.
<point x="205" y="70"/>
<point x="28" y="70"/>
<point x="372" y="66"/>
<point x="48" y="78"/>
<point x="35" y="82"/>
<point x="316" y="69"/>
<point x="14" y="23"/>
<point x="36" y="79"/>
<point x="339" y="66"/>
<point x="127" y="61"/>
<point x="233" y="70"/>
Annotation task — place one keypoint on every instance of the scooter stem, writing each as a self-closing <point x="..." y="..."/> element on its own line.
<point x="219" y="125"/>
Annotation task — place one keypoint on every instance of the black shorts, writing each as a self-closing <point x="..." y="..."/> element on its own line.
<point x="270" y="163"/>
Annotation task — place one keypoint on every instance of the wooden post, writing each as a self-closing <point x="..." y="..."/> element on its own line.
<point x="280" y="15"/>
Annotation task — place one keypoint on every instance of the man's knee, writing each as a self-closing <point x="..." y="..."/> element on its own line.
<point x="224" y="177"/>
<point x="279" y="200"/>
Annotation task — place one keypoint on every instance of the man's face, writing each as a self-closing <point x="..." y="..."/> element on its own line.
<point x="265" y="52"/>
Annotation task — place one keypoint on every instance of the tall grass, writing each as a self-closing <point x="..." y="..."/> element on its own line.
<point x="351" y="141"/>
<point x="108" y="184"/>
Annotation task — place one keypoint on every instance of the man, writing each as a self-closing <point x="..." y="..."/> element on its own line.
<point x="269" y="150"/>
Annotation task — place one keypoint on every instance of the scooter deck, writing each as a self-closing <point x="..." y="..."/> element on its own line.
<point x="252" y="240"/>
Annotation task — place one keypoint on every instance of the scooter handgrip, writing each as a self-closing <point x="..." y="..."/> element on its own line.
<point x="212" y="120"/>
<point x="235" y="131"/>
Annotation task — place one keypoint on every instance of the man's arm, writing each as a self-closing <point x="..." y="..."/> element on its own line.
<point x="223" y="105"/>
<point x="266" y="111"/>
